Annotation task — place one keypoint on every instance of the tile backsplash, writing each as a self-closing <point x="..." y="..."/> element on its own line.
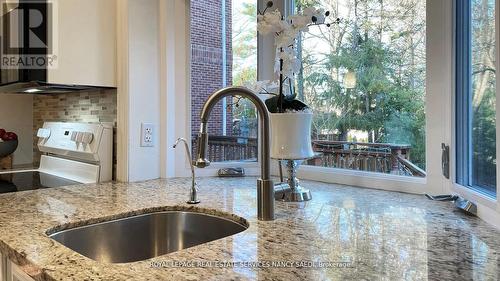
<point x="94" y="106"/>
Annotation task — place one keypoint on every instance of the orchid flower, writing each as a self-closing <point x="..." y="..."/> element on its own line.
<point x="286" y="31"/>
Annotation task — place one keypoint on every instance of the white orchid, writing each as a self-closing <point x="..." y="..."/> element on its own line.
<point x="270" y="23"/>
<point x="286" y="32"/>
<point x="300" y="22"/>
<point x="320" y="18"/>
<point x="291" y="64"/>
<point x="286" y="38"/>
<point x="318" y="14"/>
<point x="310" y="12"/>
<point x="287" y="64"/>
<point x="263" y="86"/>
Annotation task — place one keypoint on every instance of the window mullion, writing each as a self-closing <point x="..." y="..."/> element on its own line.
<point x="464" y="87"/>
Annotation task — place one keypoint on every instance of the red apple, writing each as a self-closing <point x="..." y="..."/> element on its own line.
<point x="2" y="132"/>
<point x="9" y="136"/>
<point x="13" y="135"/>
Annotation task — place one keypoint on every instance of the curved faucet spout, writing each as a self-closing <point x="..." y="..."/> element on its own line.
<point x="193" y="197"/>
<point x="188" y="152"/>
<point x="265" y="187"/>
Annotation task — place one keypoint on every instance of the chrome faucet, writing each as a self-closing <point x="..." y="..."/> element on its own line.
<point x="265" y="186"/>
<point x="193" y="197"/>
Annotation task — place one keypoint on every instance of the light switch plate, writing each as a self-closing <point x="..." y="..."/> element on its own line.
<point x="147" y="135"/>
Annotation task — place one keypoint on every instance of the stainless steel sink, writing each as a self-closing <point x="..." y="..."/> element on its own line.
<point x="146" y="236"/>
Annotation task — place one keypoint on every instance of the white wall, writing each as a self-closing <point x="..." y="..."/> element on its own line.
<point x="138" y="88"/>
<point x="16" y="115"/>
<point x="153" y="42"/>
<point x="175" y="98"/>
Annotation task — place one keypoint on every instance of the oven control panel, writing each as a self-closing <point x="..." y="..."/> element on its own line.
<point x="82" y="140"/>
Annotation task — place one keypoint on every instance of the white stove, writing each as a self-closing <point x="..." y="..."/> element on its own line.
<point x="72" y="153"/>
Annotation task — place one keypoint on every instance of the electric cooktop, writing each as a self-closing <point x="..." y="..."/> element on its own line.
<point x="21" y="181"/>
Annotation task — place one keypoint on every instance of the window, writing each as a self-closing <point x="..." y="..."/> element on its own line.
<point x="224" y="53"/>
<point x="365" y="81"/>
<point x="476" y="95"/>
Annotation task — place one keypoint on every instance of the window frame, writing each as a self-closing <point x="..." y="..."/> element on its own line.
<point x="463" y="99"/>
<point x="438" y="109"/>
<point x="264" y="70"/>
<point x="251" y="168"/>
<point x="175" y="53"/>
<point x="438" y="120"/>
<point x="440" y="80"/>
<point x="488" y="208"/>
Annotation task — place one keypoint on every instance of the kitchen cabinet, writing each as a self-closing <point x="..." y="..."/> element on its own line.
<point x="11" y="272"/>
<point x="14" y="273"/>
<point x="2" y="268"/>
<point x="85" y="45"/>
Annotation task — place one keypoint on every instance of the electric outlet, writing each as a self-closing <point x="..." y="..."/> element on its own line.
<point x="147" y="135"/>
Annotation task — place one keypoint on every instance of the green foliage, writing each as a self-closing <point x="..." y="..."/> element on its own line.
<point x="483" y="131"/>
<point x="244" y="75"/>
<point x="244" y="46"/>
<point x="484" y="141"/>
<point x="387" y="54"/>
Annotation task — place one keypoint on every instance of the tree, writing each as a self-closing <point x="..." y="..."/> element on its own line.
<point x="244" y="38"/>
<point x="383" y="42"/>
<point x="484" y="94"/>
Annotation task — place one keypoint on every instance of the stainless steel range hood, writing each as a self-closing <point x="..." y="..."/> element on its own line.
<point x="84" y="54"/>
<point x="43" y="88"/>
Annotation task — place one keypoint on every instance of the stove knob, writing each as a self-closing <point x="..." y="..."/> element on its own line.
<point x="87" y="138"/>
<point x="79" y="137"/>
<point x="73" y="135"/>
<point x="43" y="133"/>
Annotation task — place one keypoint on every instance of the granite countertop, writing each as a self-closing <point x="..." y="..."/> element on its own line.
<point x="350" y="233"/>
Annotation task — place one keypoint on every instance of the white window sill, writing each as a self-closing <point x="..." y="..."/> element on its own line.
<point x="475" y="196"/>
<point x="364" y="179"/>
<point x="487" y="208"/>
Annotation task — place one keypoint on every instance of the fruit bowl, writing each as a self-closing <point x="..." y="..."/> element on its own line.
<point x="8" y="147"/>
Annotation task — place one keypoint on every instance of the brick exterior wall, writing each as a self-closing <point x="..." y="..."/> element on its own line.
<point x="95" y="106"/>
<point x="207" y="59"/>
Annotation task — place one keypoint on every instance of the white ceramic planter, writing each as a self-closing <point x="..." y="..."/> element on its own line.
<point x="291" y="136"/>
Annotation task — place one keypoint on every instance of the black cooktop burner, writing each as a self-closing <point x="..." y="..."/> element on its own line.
<point x="22" y="181"/>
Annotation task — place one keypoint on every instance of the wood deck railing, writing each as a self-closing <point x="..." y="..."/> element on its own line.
<point x="230" y="148"/>
<point x="372" y="157"/>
